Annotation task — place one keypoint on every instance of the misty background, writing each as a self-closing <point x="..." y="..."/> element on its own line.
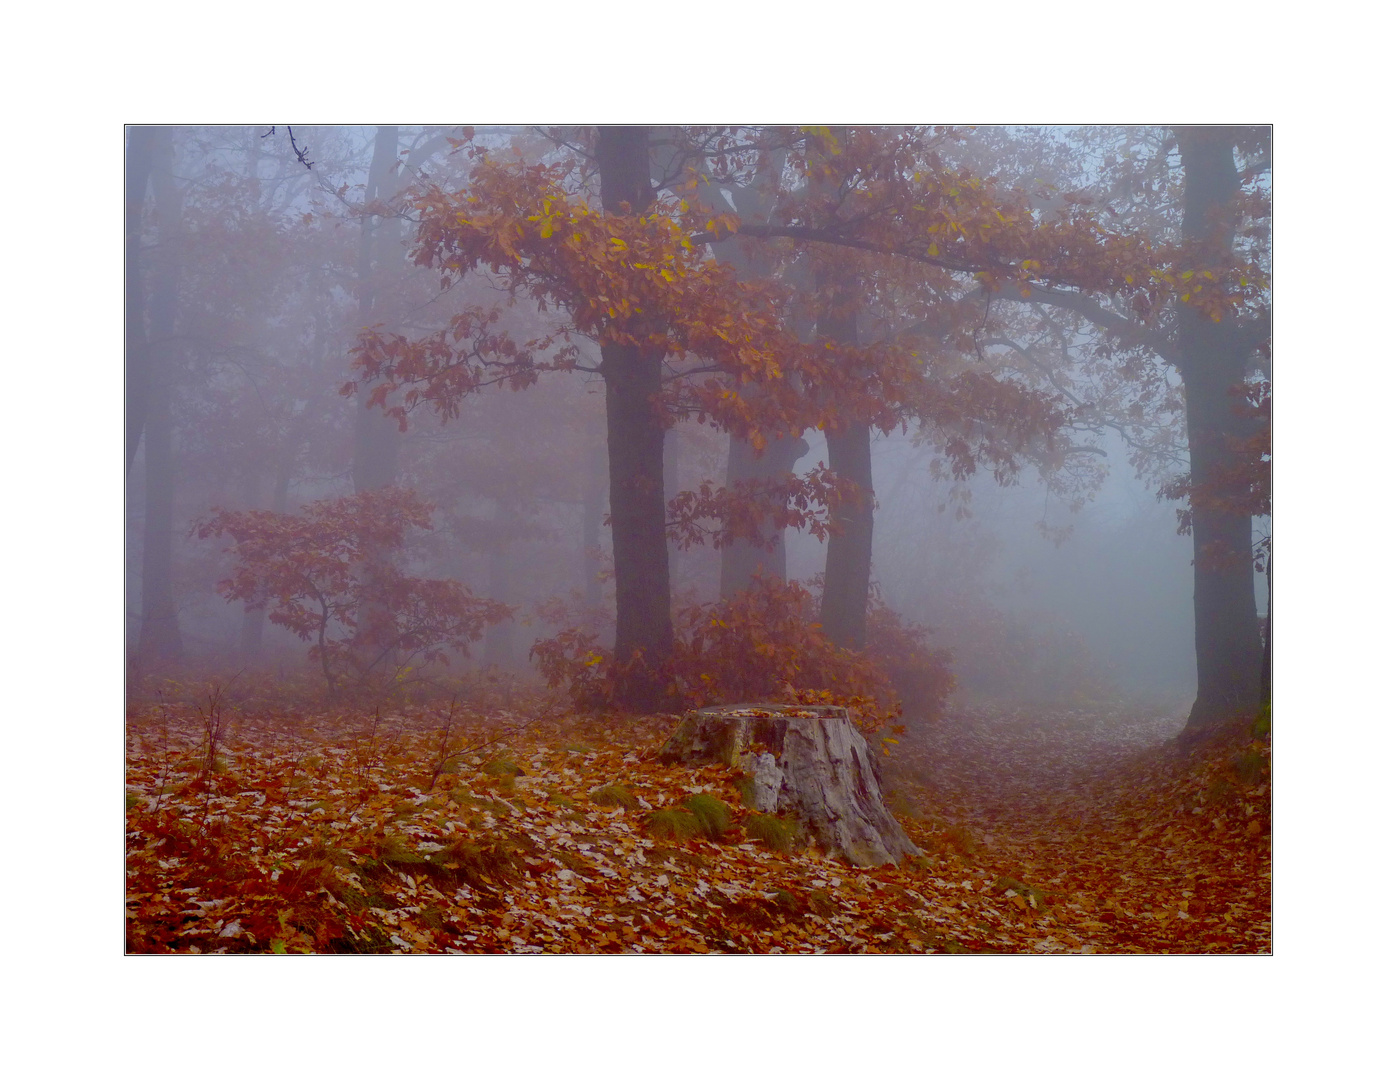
<point x="1038" y="600"/>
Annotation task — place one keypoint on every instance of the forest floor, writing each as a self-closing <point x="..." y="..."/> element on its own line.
<point x="429" y="830"/>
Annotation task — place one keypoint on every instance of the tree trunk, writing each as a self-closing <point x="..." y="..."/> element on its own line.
<point x="635" y="454"/>
<point x="139" y="149"/>
<point x="671" y="490"/>
<point x="808" y="761"/>
<point x="849" y="554"/>
<point x="743" y="560"/>
<point x="593" y="505"/>
<point x="376" y="436"/>
<point x="499" y="636"/>
<point x="255" y="617"/>
<point x="160" y="644"/>
<point x="1226" y="634"/>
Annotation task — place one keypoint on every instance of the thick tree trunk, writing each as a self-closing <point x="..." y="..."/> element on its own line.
<point x="635" y="454"/>
<point x="849" y="553"/>
<point x="849" y="556"/>
<point x="160" y="643"/>
<point x="1226" y="636"/>
<point x="810" y="762"/>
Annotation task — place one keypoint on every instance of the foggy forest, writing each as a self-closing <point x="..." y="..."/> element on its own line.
<point x="729" y="539"/>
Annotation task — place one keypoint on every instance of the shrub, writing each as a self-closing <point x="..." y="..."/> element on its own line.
<point x="327" y="575"/>
<point x="763" y="643"/>
<point x="920" y="674"/>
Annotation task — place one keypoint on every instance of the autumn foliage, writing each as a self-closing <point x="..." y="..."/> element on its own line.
<point x="327" y="575"/>
<point x="765" y="643"/>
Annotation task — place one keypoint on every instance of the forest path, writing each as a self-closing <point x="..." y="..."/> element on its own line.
<point x="1120" y="831"/>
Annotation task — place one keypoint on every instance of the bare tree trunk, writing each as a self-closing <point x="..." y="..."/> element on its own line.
<point x="1226" y="633"/>
<point x="849" y="553"/>
<point x="635" y="453"/>
<point x="743" y="560"/>
<point x="139" y="149"/>
<point x="376" y="436"/>
<point x="160" y="643"/>
<point x="499" y="637"/>
<point x="593" y="503"/>
<point x="671" y="490"/>
<point x="255" y="617"/>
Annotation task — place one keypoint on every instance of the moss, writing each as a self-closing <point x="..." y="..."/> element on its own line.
<point x="615" y="795"/>
<point x="713" y="815"/>
<point x="774" y="832"/>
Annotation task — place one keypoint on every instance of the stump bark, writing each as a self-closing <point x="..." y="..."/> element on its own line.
<point x="808" y="760"/>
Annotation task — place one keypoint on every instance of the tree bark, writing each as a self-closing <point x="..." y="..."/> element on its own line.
<point x="255" y="617"/>
<point x="743" y="560"/>
<point x="160" y="643"/>
<point x="849" y="553"/>
<point x="808" y="761"/>
<point x="376" y="435"/>
<point x="139" y="148"/>
<point x="635" y="453"/>
<point x="1211" y="361"/>
<point x="499" y="636"/>
<point x="593" y="505"/>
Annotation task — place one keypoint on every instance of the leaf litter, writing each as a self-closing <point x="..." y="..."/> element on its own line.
<point x="1043" y="831"/>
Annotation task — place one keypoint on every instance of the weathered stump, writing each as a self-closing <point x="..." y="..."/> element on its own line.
<point x="806" y="759"/>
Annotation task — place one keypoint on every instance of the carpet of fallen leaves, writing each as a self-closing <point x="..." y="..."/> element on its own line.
<point x="429" y="830"/>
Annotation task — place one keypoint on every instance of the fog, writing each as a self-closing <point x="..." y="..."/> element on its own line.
<point x="1042" y="589"/>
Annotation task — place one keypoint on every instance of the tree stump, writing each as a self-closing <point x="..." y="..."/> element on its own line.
<point x="806" y="759"/>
